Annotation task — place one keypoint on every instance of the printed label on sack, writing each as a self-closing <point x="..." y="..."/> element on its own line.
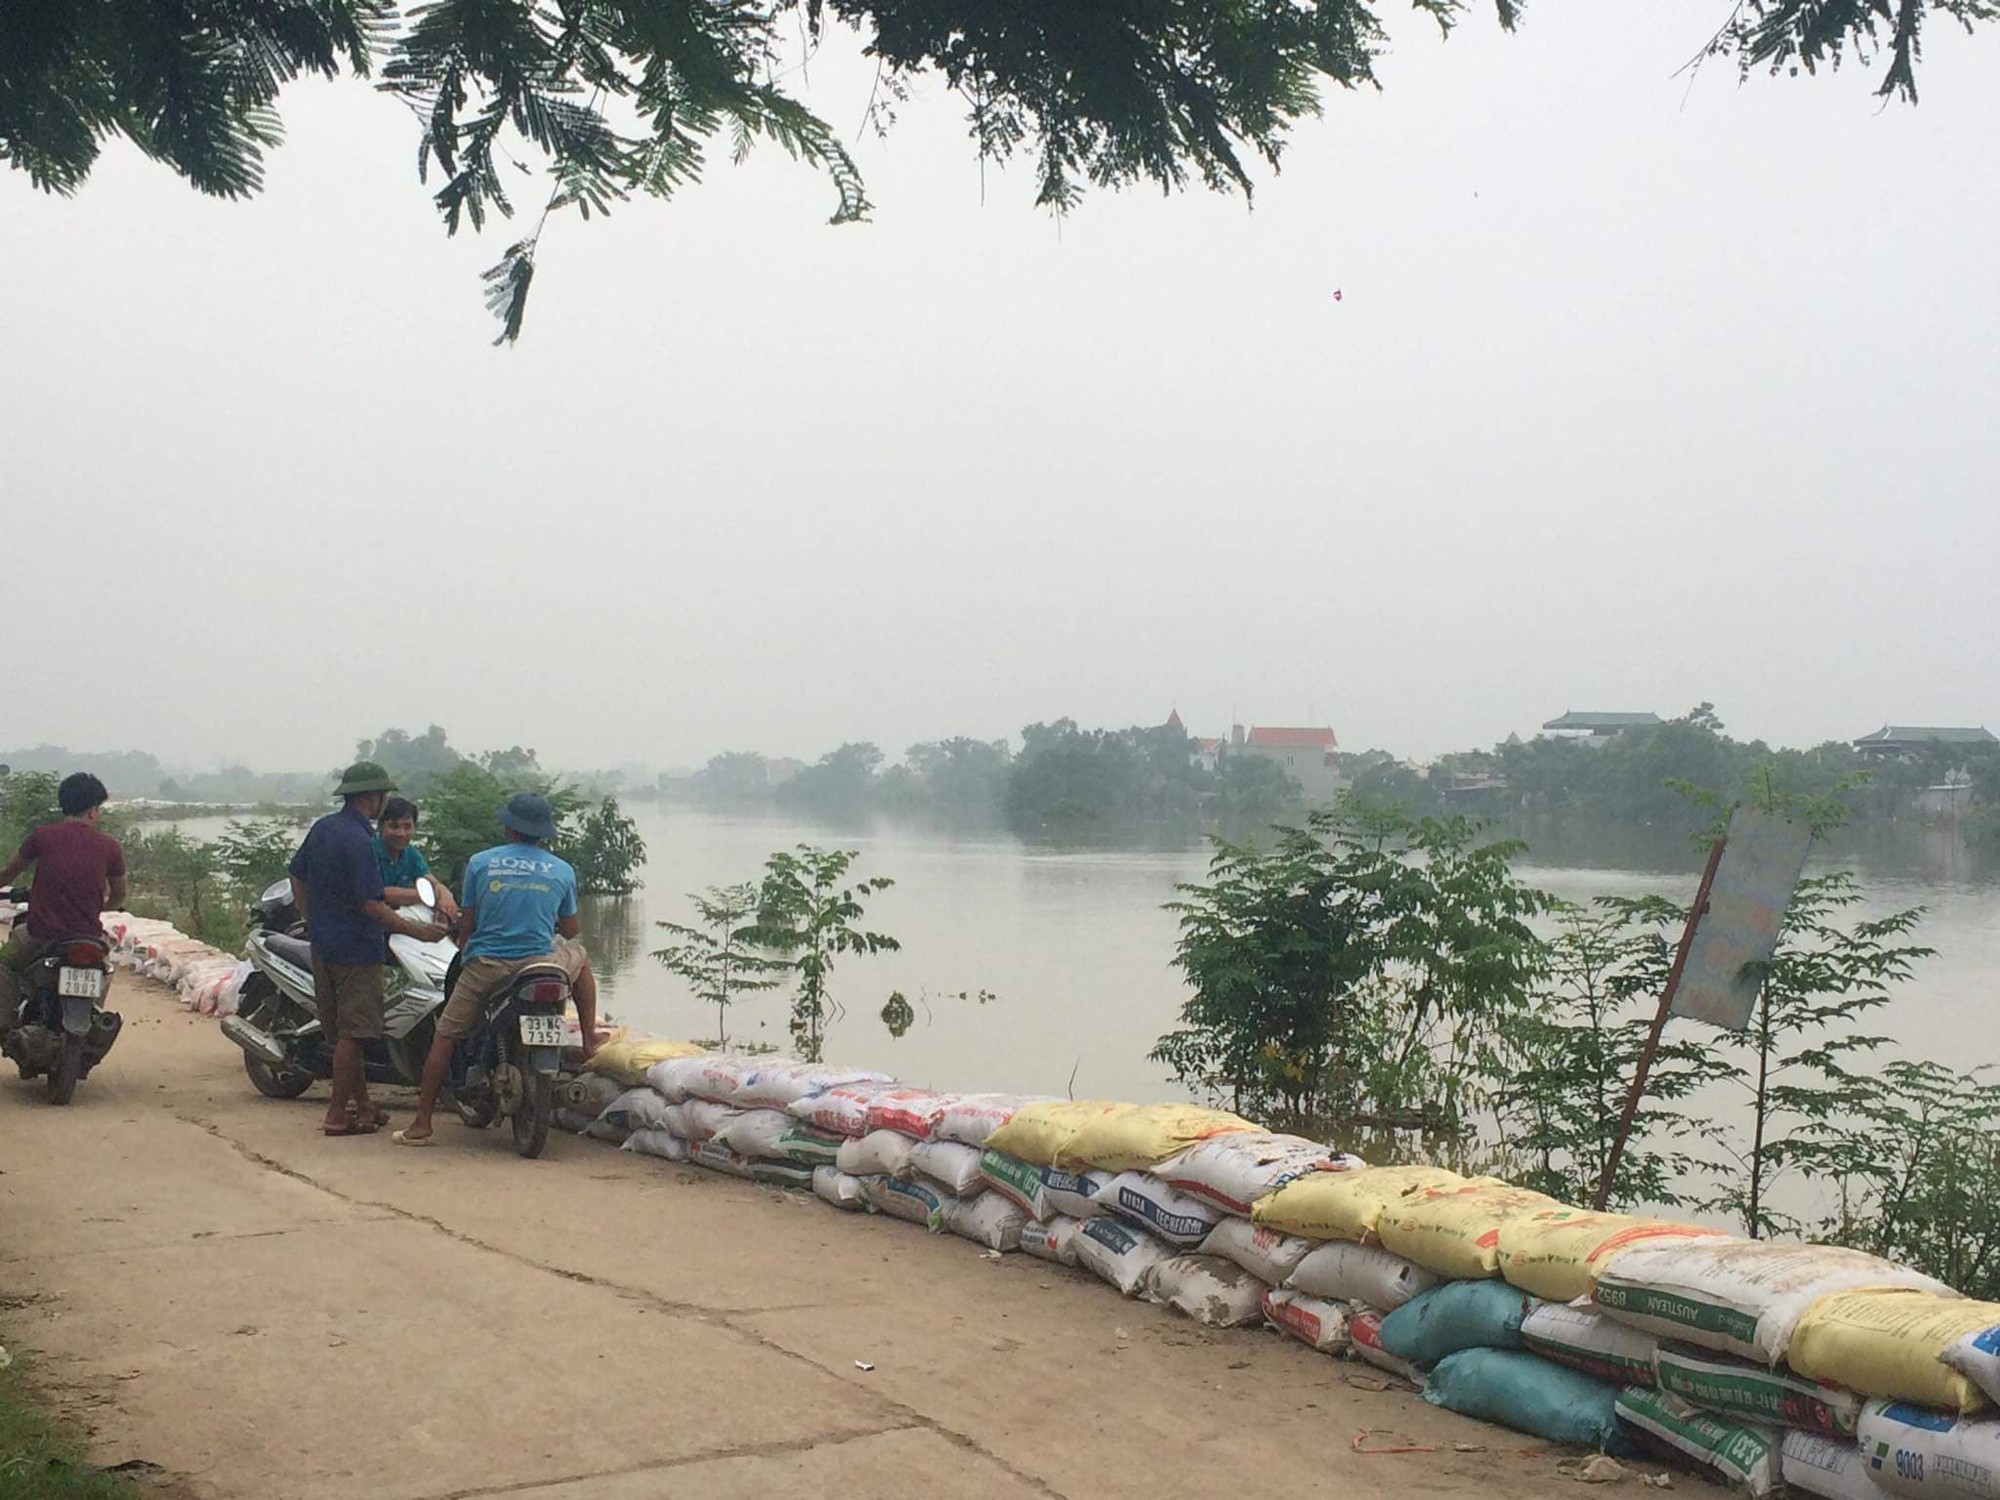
<point x="1175" y="1226"/>
<point x="1648" y="1302"/>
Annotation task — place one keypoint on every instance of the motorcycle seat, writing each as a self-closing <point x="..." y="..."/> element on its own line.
<point x="292" y="950"/>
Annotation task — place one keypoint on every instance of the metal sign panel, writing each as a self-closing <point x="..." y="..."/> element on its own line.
<point x="1735" y="938"/>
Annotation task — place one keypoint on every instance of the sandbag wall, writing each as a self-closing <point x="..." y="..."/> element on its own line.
<point x="1773" y="1365"/>
<point x="206" y="979"/>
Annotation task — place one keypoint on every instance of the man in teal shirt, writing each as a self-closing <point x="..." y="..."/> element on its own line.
<point x="403" y="863"/>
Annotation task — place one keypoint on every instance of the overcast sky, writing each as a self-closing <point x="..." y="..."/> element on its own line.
<point x="1634" y="394"/>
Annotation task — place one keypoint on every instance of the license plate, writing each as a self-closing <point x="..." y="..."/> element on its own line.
<point x="86" y="984"/>
<point x="542" y="1031"/>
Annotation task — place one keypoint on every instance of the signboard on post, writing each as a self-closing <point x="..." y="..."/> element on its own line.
<point x="1737" y="933"/>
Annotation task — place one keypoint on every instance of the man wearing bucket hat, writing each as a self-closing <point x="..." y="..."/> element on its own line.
<point x="337" y="886"/>
<point x="518" y="900"/>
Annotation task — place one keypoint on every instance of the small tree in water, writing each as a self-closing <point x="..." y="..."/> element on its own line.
<point x="806" y="913"/>
<point x="718" y="957"/>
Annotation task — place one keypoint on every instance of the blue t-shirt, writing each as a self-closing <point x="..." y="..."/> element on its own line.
<point x="517" y="893"/>
<point x="406" y="869"/>
<point x="337" y="863"/>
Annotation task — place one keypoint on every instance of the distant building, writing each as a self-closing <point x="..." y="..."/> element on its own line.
<point x="1208" y="753"/>
<point x="1907" y="742"/>
<point x="1597" y="728"/>
<point x="1307" y="754"/>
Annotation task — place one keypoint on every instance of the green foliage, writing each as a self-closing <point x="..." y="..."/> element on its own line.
<point x="1354" y="975"/>
<point x="27" y="801"/>
<point x="1787" y="35"/>
<point x="36" y="1461"/>
<point x="840" y="787"/>
<point x="809" y="913"/>
<point x="1102" y="784"/>
<point x="606" y="851"/>
<point x="414" y="761"/>
<point x="717" y="955"/>
<point x="255" y="853"/>
<point x="181" y="879"/>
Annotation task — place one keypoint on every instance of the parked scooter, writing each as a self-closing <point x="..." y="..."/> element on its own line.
<point x="508" y="1066"/>
<point x="277" y="1018"/>
<point x="61" y="1029"/>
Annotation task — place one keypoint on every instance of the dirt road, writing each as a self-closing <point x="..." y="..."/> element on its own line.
<point x="215" y="1287"/>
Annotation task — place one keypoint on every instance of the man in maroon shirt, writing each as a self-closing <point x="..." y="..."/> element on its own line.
<point x="77" y="871"/>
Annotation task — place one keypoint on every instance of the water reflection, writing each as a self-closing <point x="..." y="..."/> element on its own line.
<point x="614" y="930"/>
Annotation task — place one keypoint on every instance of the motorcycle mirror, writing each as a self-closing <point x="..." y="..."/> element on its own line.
<point x="426" y="892"/>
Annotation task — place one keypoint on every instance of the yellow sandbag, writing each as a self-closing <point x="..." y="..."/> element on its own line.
<point x="627" y="1056"/>
<point x="1886" y="1343"/>
<point x="1455" y="1230"/>
<point x="1036" y="1131"/>
<point x="1556" y="1253"/>
<point x="1144" y="1135"/>
<point x="1343" y="1205"/>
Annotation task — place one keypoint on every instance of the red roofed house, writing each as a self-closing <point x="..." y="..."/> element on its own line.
<point x="1306" y="754"/>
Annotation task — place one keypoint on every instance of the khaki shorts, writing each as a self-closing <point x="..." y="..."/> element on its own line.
<point x="350" y="999"/>
<point x="20" y="951"/>
<point x="478" y="978"/>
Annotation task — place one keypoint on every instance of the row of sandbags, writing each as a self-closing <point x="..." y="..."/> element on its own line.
<point x="207" y="979"/>
<point x="1817" y="1367"/>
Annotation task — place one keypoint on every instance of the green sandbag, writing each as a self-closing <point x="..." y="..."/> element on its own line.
<point x="1527" y="1393"/>
<point x="1458" y="1315"/>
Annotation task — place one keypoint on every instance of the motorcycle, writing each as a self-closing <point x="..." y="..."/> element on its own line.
<point x="509" y="1065"/>
<point x="61" y="1029"/>
<point x="277" y="1025"/>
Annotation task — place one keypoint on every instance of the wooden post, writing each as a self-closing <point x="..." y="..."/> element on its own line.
<point x="1626" y="1121"/>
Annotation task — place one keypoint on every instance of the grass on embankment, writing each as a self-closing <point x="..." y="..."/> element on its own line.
<point x="35" y="1462"/>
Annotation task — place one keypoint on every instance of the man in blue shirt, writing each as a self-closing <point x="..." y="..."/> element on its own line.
<point x="337" y="887"/>
<point x="519" y="899"/>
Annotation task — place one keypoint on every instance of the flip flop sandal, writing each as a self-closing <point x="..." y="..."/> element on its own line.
<point x="404" y="1138"/>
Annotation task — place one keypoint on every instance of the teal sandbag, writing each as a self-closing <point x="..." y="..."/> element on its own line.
<point x="1458" y="1315"/>
<point x="1527" y="1393"/>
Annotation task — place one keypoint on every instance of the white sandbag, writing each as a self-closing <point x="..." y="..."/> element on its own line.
<point x="1744" y="1455"/>
<point x="1342" y="1271"/>
<point x="1364" y="1332"/>
<point x="600" y="1129"/>
<point x="910" y="1112"/>
<point x="951" y="1163"/>
<point x="1209" y="1289"/>
<point x="880" y="1153"/>
<point x="661" y="1143"/>
<point x="1076" y="1193"/>
<point x="1234" y="1171"/>
<point x="698" y="1119"/>
<point x="1180" y="1220"/>
<point x="1977" y="1358"/>
<point x="840" y="1189"/>
<point x="1586" y="1340"/>
<point x="1740" y="1296"/>
<point x="1264" y="1253"/>
<point x="779" y="1085"/>
<point x="720" y="1076"/>
<point x="637" y="1109"/>
<point x="918" y="1202"/>
<point x="842" y="1110"/>
<point x="1017" y="1182"/>
<point x="970" y="1118"/>
<point x="773" y="1135"/>
<point x="1313" y="1321"/>
<point x="1912" y="1450"/>
<point x="1123" y="1255"/>
<point x="1824" y="1466"/>
<point x="988" y="1220"/>
<point x="718" y="1158"/>
<point x="1054" y="1240"/>
<point x="670" y="1077"/>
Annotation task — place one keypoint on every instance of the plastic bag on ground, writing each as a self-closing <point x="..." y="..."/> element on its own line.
<point x="1344" y="1205"/>
<point x="1078" y="1194"/>
<point x="1054" y="1240"/>
<point x="1740" y="1296"/>
<point x="1976" y="1356"/>
<point x="952" y="1163"/>
<point x="1756" y="1393"/>
<point x="1556" y="1253"/>
<point x="1364" y="1333"/>
<point x="1586" y="1340"/>
<point x="1892" y="1344"/>
<point x="637" y="1109"/>
<point x="880" y="1153"/>
<point x="661" y="1143"/>
<point x="971" y="1118"/>
<point x="1528" y="1394"/>
<point x="1911" y="1450"/>
<point x="1264" y="1253"/>
<point x="1829" y="1467"/>
<point x="1034" y="1132"/>
<point x="1458" y="1315"/>
<point x="1233" y="1171"/>
<point x="1123" y="1255"/>
<point x="779" y="1085"/>
<point x="1313" y="1321"/>
<point x="627" y="1056"/>
<point x="1015" y="1181"/>
<point x="773" y="1135"/>
<point x="839" y="1188"/>
<point x="1742" y="1454"/>
<point x="1139" y="1138"/>
<point x="1180" y="1220"/>
<point x="918" y="1202"/>
<point x="1209" y="1289"/>
<point x="842" y="1110"/>
<point x="1455" y="1231"/>
<point x="988" y="1220"/>
<point x="1347" y="1272"/>
<point x="910" y="1112"/>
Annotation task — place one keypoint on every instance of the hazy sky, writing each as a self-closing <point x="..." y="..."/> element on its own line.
<point x="1636" y="394"/>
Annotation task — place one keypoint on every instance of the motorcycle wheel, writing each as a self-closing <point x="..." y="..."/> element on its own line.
<point x="276" y="1083"/>
<point x="477" y="1113"/>
<point x="68" y="1068"/>
<point x="533" y="1113"/>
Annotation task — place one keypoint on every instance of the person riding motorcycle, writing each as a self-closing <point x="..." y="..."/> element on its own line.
<point x="518" y="909"/>
<point x="78" y="871"/>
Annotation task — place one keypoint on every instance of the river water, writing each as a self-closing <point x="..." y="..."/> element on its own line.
<point x="1074" y="949"/>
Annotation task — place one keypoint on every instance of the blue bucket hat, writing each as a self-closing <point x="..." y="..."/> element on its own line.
<point x="529" y="814"/>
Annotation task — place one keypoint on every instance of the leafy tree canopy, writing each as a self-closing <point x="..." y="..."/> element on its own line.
<point x="625" y="97"/>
